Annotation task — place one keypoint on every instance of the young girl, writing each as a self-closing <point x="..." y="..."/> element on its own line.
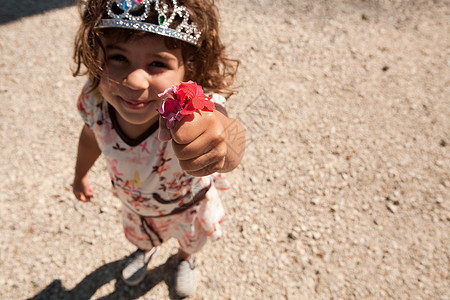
<point x="167" y="179"/>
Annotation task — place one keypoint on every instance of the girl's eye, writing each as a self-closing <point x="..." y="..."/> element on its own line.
<point x="118" y="57"/>
<point x="157" y="64"/>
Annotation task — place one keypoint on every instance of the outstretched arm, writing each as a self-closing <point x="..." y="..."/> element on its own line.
<point x="88" y="152"/>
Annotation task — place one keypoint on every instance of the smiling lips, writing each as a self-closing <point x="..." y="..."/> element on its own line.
<point x="135" y="104"/>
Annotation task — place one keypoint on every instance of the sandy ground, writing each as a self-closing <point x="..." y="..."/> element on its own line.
<point x="344" y="190"/>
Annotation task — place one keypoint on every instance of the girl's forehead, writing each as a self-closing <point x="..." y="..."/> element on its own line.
<point x="149" y="44"/>
<point x="125" y="35"/>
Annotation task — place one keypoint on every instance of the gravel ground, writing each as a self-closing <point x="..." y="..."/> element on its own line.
<point x="344" y="189"/>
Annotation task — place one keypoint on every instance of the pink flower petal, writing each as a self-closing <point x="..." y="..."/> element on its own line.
<point x="182" y="100"/>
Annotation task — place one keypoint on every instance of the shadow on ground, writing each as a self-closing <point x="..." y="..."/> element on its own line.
<point x="105" y="274"/>
<point x="11" y="10"/>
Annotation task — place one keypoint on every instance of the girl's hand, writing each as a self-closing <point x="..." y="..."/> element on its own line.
<point x="82" y="189"/>
<point x="200" y="142"/>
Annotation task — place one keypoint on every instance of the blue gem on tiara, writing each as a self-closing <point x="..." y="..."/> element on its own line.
<point x="126" y="5"/>
<point x="131" y="14"/>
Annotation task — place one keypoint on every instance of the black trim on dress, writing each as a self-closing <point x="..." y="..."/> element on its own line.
<point x="129" y="141"/>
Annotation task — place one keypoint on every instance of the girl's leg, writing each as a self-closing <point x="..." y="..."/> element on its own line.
<point x="136" y="267"/>
<point x="183" y="255"/>
<point x="186" y="276"/>
<point x="139" y="231"/>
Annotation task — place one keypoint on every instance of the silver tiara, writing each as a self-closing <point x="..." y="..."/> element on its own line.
<point x="131" y="14"/>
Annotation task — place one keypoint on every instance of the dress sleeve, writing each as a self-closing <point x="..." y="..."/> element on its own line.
<point x="220" y="181"/>
<point x="219" y="99"/>
<point x="88" y="105"/>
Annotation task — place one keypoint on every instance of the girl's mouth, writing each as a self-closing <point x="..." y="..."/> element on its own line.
<point x="135" y="104"/>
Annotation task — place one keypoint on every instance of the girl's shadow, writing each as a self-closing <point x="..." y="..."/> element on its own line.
<point x="110" y="271"/>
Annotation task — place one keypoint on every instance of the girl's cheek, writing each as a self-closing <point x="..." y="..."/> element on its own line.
<point x="107" y="86"/>
<point x="108" y="81"/>
<point x="111" y="73"/>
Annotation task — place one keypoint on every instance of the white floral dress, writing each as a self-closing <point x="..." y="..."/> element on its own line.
<point x="160" y="200"/>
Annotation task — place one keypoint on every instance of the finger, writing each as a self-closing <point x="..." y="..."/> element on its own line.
<point x="89" y="193"/>
<point x="81" y="197"/>
<point x="201" y="145"/>
<point x="214" y="160"/>
<point x="187" y="129"/>
<point x="163" y="133"/>
<point x="85" y="196"/>
<point x="208" y="169"/>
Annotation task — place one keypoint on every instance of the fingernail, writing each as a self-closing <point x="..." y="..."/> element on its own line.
<point x="163" y="135"/>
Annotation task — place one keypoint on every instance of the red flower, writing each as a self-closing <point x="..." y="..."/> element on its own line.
<point x="183" y="100"/>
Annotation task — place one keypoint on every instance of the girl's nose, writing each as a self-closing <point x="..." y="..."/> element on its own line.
<point x="137" y="80"/>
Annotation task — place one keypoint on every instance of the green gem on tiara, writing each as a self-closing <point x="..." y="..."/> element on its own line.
<point x="161" y="19"/>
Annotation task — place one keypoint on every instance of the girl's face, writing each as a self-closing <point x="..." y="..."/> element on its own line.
<point x="135" y="72"/>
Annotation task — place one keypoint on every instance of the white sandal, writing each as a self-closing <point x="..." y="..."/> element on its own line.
<point x="136" y="268"/>
<point x="186" y="278"/>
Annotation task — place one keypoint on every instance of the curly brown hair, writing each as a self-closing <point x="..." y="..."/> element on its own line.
<point x="206" y="63"/>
